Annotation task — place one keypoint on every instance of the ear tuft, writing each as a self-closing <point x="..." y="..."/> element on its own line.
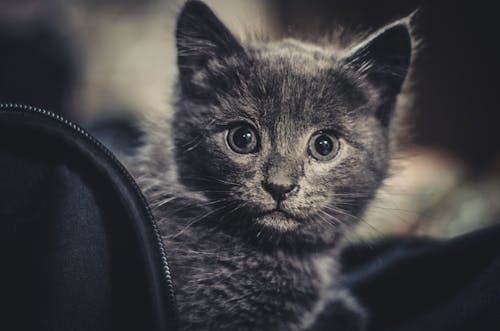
<point x="201" y="36"/>
<point x="384" y="57"/>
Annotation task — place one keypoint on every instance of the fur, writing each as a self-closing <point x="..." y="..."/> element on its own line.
<point x="235" y="265"/>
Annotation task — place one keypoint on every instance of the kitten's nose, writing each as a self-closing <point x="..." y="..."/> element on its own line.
<point x="279" y="191"/>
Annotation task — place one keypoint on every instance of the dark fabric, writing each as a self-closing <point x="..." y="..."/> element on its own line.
<point x="78" y="249"/>
<point x="410" y="284"/>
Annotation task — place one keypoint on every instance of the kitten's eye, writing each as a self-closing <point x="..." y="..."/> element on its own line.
<point x="323" y="146"/>
<point x="242" y="139"/>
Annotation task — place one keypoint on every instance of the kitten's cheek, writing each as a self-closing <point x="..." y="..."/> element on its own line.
<point x="262" y="203"/>
<point x="252" y="197"/>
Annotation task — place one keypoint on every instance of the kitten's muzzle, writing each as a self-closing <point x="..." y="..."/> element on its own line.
<point x="278" y="219"/>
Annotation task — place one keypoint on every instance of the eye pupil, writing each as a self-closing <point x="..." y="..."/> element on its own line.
<point x="323" y="145"/>
<point x="243" y="137"/>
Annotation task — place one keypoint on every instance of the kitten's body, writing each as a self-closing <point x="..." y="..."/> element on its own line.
<point x="224" y="282"/>
<point x="245" y="253"/>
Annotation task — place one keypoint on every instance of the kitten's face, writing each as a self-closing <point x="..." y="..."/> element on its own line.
<point x="286" y="141"/>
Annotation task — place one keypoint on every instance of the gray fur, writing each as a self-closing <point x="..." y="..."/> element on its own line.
<point x="234" y="266"/>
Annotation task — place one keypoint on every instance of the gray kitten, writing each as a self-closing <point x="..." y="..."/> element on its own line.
<point x="273" y="153"/>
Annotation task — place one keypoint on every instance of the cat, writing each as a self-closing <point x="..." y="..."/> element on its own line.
<point x="272" y="154"/>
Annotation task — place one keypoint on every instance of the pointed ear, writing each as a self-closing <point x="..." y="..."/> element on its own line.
<point x="384" y="57"/>
<point x="201" y="36"/>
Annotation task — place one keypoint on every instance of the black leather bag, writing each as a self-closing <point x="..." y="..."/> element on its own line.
<point x="79" y="248"/>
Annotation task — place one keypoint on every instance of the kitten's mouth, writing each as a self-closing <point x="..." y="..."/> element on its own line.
<point x="278" y="219"/>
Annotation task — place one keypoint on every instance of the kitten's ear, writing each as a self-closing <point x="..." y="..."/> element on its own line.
<point x="384" y="57"/>
<point x="201" y="36"/>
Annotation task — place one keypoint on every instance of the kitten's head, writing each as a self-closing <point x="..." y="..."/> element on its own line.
<point x="287" y="141"/>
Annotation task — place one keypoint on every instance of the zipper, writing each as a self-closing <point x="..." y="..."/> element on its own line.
<point x="15" y="107"/>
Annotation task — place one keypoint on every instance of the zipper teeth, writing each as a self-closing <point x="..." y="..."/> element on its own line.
<point x="81" y="131"/>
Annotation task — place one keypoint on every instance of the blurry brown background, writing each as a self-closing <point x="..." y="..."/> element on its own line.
<point x="93" y="60"/>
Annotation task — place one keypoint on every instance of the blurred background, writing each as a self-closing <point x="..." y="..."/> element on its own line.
<point x="108" y="63"/>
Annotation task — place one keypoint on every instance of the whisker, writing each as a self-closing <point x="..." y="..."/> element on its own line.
<point x="196" y="220"/>
<point x="357" y="218"/>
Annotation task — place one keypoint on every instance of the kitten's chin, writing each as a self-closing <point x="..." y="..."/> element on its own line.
<point x="278" y="221"/>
